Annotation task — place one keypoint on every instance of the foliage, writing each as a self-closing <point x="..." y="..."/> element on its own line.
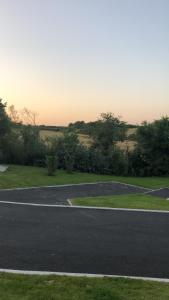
<point x="107" y="121"/>
<point x="4" y="120"/>
<point x="27" y="176"/>
<point x="22" y="144"/>
<point x="24" y="116"/>
<point x="51" y="163"/>
<point x="14" y="115"/>
<point x="151" y="156"/>
<point x="4" y="129"/>
<point x="33" y="148"/>
<point x="109" y="129"/>
<point x="13" y="148"/>
<point x="66" y="148"/>
<point x="82" y="127"/>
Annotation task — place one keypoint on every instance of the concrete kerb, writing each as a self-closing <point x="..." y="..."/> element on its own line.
<point x="69" y="202"/>
<point x="46" y="273"/>
<point x="132" y="185"/>
<point x="156" y="190"/>
<point x="73" y="184"/>
<point x="155" y="193"/>
<point x="85" y="207"/>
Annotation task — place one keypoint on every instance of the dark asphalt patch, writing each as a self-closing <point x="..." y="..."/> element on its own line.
<point x="163" y="193"/>
<point x="84" y="241"/>
<point x="59" y="195"/>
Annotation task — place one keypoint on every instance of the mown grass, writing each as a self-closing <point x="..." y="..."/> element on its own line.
<point x="138" y="201"/>
<point x="22" y="287"/>
<point x="25" y="176"/>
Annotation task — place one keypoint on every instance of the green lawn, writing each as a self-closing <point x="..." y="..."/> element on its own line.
<point x="139" y="201"/>
<point x="18" y="287"/>
<point x="24" y="176"/>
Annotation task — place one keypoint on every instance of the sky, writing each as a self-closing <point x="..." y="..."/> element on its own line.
<point x="71" y="60"/>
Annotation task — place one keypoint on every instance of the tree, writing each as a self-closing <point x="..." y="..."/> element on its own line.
<point x="14" y="114"/>
<point x="4" y="120"/>
<point x="77" y="126"/>
<point x="25" y="116"/>
<point x="153" y="147"/>
<point x="28" y="116"/>
<point x="66" y="148"/>
<point x="71" y="144"/>
<point x="5" y="127"/>
<point x="34" y="149"/>
<point x="109" y="129"/>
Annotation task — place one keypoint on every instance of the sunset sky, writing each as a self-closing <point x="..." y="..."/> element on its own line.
<point x="71" y="60"/>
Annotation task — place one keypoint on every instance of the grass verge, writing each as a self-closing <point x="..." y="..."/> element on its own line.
<point x="22" y="287"/>
<point x="137" y="201"/>
<point x="25" y="176"/>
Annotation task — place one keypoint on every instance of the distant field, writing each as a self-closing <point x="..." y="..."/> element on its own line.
<point x="49" y="133"/>
<point x="83" y="138"/>
<point x="131" y="131"/>
<point x="127" y="145"/>
<point x="87" y="140"/>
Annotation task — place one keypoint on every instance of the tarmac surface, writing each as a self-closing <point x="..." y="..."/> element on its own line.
<point x="163" y="193"/>
<point x="60" y="194"/>
<point x="82" y="240"/>
<point x="78" y="240"/>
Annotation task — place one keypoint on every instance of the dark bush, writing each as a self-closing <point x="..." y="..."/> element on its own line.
<point x="51" y="164"/>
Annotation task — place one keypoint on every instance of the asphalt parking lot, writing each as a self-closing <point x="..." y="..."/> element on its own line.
<point x="81" y="240"/>
<point x="60" y="194"/>
<point x="84" y="241"/>
<point x="163" y="193"/>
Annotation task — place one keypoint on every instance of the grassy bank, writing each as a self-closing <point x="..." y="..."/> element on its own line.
<point x="138" y="201"/>
<point x="17" y="287"/>
<point x="24" y="176"/>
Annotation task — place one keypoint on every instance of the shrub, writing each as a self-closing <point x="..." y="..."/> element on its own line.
<point x="51" y="163"/>
<point x="151" y="153"/>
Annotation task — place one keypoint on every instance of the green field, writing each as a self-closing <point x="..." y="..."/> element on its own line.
<point x="22" y="287"/>
<point x="24" y="176"/>
<point x="137" y="201"/>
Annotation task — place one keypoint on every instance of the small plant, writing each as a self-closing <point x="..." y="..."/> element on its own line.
<point x="69" y="162"/>
<point x="51" y="164"/>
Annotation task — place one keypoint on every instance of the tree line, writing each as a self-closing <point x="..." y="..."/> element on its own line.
<point x="22" y="144"/>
